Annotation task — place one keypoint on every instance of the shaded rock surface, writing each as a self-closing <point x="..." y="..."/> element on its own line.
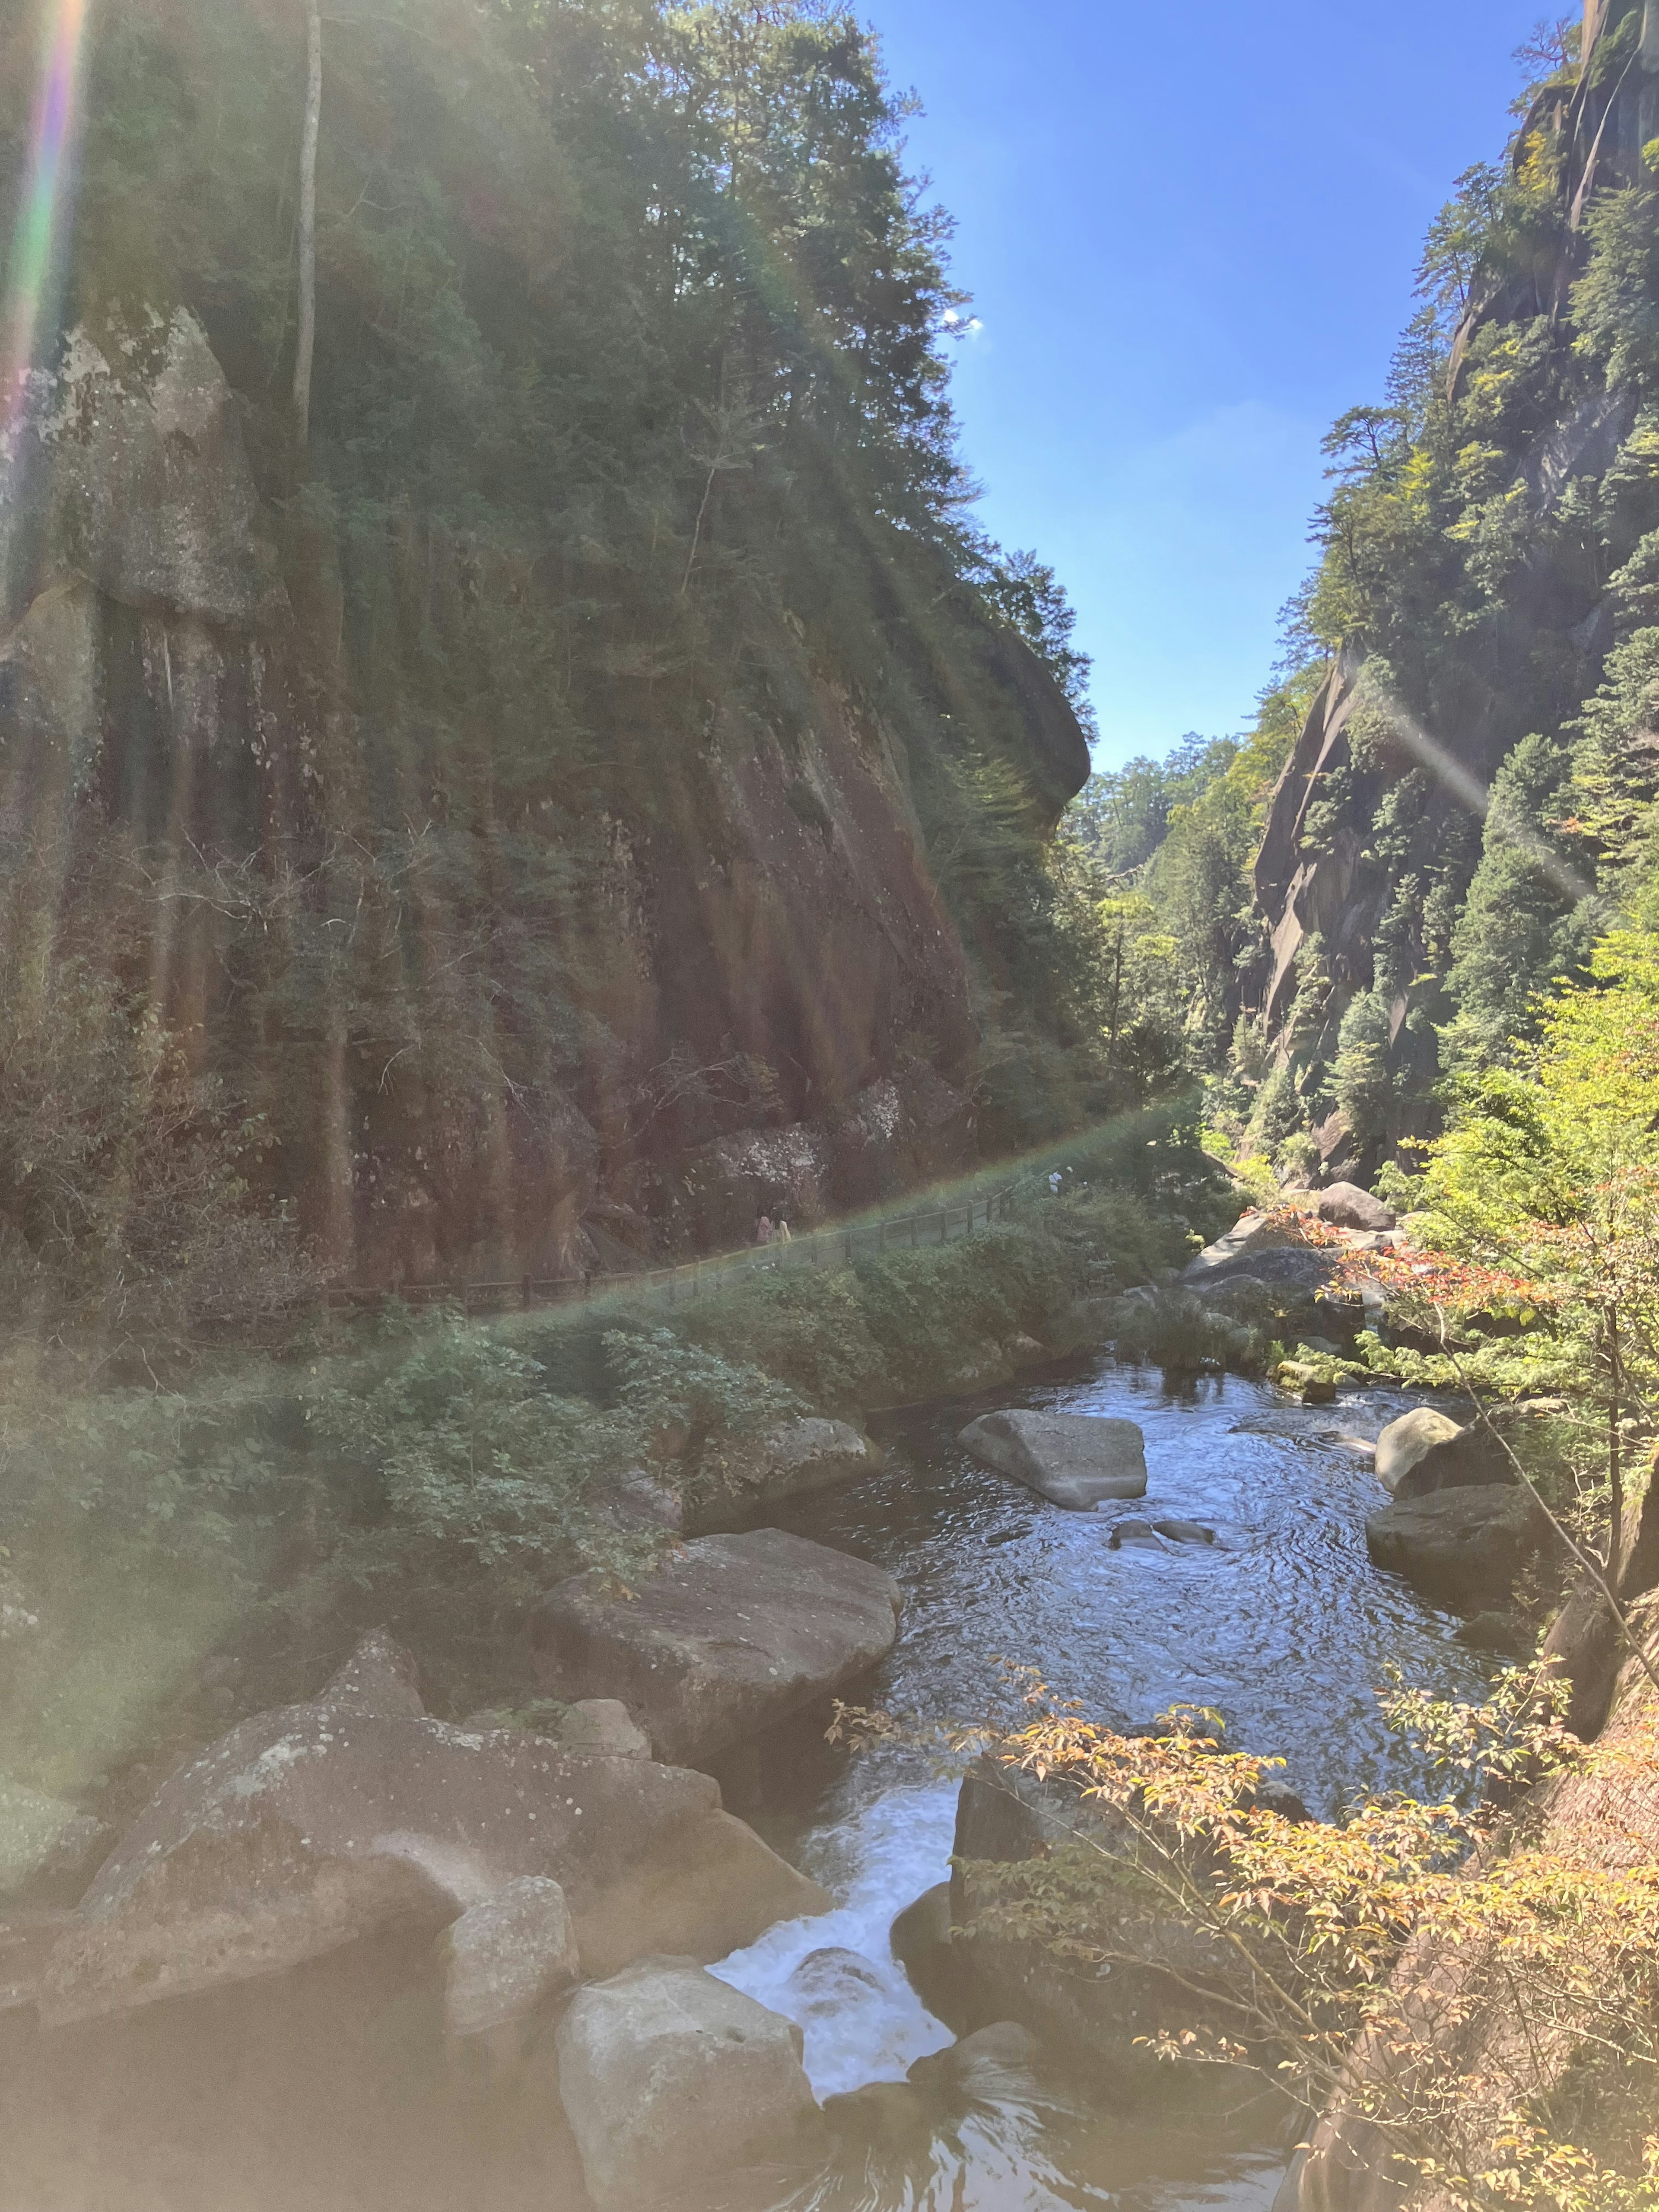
<point x="1161" y="1970"/>
<point x="992" y="2064"/>
<point x="731" y="1635"/>
<point x="309" y="1827"/>
<point x="1461" y="1547"/>
<point x="46" y="1843"/>
<point x="1073" y="1459"/>
<point x="1346" y="1205"/>
<point x="506" y="1956"/>
<point x="28" y="1940"/>
<point x="1474" y="1459"/>
<point x="799" y="1457"/>
<point x="669" y="2077"/>
<point x="1404" y="1442"/>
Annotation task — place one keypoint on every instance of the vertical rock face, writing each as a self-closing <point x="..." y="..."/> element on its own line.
<point x="481" y="1053"/>
<point x="1375" y="830"/>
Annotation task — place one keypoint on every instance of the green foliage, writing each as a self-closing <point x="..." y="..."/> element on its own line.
<point x="666" y="1384"/>
<point x="1363" y="1079"/>
<point x="1426" y="1975"/>
<point x="930" y="1309"/>
<point x="1523" y="927"/>
<point x="1544" y="1199"/>
<point x="469" y="1457"/>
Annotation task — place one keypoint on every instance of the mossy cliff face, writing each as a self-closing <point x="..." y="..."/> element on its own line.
<point x="1483" y="591"/>
<point x="583" y="797"/>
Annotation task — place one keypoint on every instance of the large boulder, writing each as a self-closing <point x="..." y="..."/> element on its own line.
<point x="307" y="1828"/>
<point x="1461" y="1547"/>
<point x="507" y="1956"/>
<point x="1346" y="1205"/>
<point x="730" y="1636"/>
<point x="669" y="2077"/>
<point x="796" y="1458"/>
<point x="1404" y="1442"/>
<point x="1080" y="1461"/>
<point x="1472" y="1458"/>
<point x="1161" y="1972"/>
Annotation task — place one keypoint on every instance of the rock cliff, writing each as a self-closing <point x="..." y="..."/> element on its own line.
<point x="581" y="793"/>
<point x="1479" y="549"/>
<point x="768" y="998"/>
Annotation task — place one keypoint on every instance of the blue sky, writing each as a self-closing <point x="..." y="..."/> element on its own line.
<point x="1190" y="233"/>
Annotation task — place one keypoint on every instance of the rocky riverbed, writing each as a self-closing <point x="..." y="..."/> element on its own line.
<point x="447" y="2057"/>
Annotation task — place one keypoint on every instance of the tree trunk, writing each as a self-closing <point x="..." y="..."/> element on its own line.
<point x="307" y="342"/>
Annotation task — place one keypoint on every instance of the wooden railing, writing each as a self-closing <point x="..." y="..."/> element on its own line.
<point x="818" y="1248"/>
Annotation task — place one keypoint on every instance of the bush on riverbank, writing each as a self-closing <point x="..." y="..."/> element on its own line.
<point x="213" y="1547"/>
<point x="1466" y="1996"/>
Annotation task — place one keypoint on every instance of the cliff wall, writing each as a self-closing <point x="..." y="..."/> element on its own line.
<point x="579" y="793"/>
<point x="747" y="994"/>
<point x="1480" y="559"/>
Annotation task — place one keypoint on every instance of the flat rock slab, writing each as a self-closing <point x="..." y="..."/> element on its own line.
<point x="1078" y="1461"/>
<point x="729" y="1637"/>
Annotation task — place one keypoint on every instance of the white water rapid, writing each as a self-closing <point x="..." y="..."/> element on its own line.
<point x="861" y="2019"/>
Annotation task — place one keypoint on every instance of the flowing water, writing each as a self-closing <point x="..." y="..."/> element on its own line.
<point x="331" y="2089"/>
<point x="1284" y="1626"/>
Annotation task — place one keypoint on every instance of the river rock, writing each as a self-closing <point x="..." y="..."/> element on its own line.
<point x="825" y="1980"/>
<point x="604" y="1727"/>
<point x="921" y="1939"/>
<point x="504" y="1958"/>
<point x="728" y="1636"/>
<point x="891" y="2117"/>
<point x="28" y="1940"/>
<point x="1346" y="1205"/>
<point x="1468" y="1459"/>
<point x="1185" y="1532"/>
<point x="669" y="2077"/>
<point x="1134" y="1535"/>
<point x="1305" y="1381"/>
<point x="310" y="1826"/>
<point x="988" y="2067"/>
<point x="1404" y="1442"/>
<point x="18" y="1617"/>
<point x="921" y="1927"/>
<point x="797" y="1458"/>
<point x="1161" y="1971"/>
<point x="1462" y="1547"/>
<point x="1078" y="1461"/>
<point x="46" y="1846"/>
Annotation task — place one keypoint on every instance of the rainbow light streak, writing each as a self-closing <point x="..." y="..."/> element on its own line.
<point x="40" y="219"/>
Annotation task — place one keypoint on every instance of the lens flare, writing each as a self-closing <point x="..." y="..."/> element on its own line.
<point x="42" y="215"/>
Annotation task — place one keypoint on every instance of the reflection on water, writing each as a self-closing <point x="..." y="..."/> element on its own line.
<point x="1284" y="1626"/>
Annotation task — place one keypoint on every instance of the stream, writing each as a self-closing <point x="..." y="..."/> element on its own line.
<point x="1284" y="1627"/>
<point x="330" y="2088"/>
